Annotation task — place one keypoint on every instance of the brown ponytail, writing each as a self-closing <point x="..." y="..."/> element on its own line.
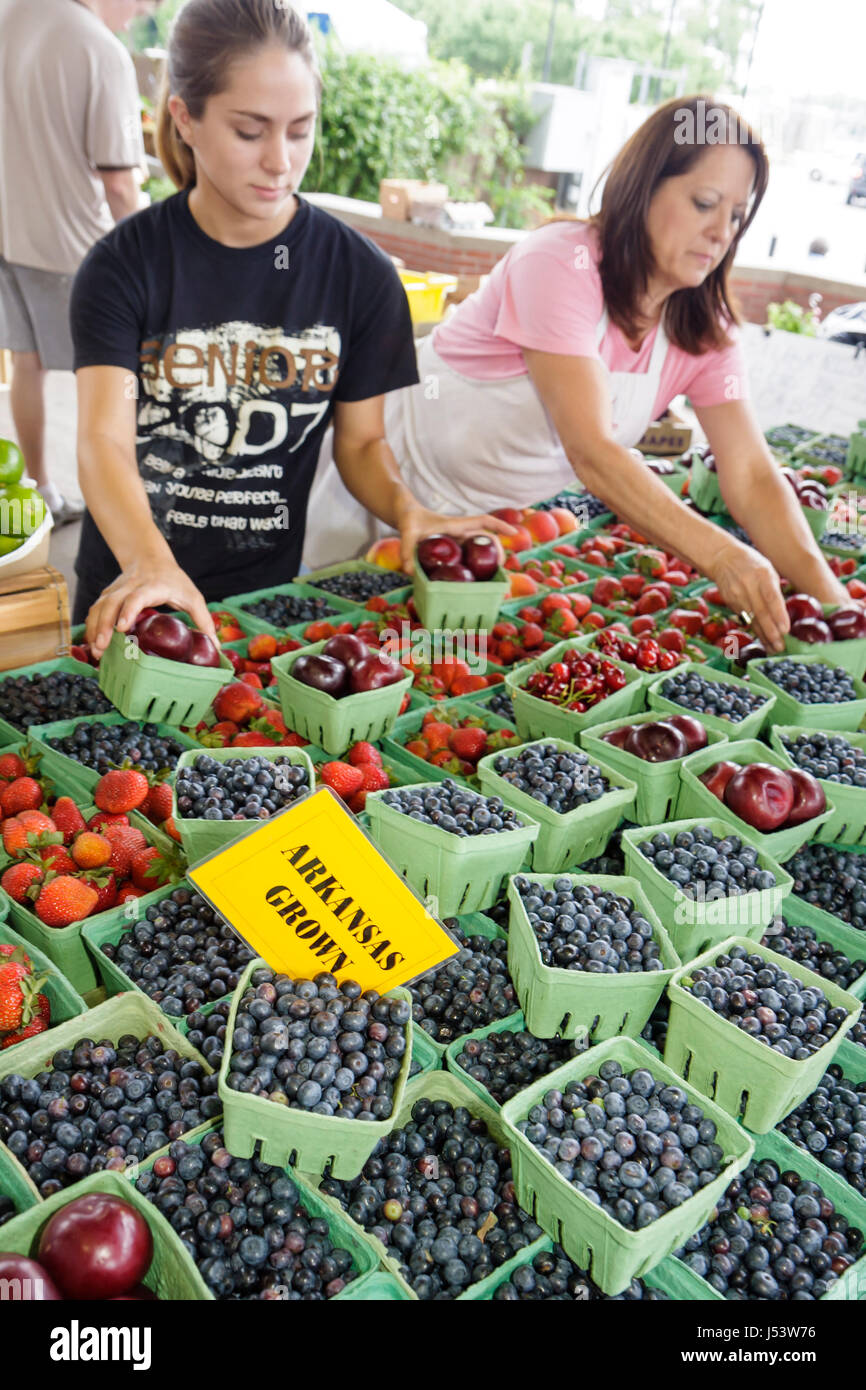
<point x="206" y="38"/>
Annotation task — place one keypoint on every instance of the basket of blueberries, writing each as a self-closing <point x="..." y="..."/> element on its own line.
<point x="578" y="802"/>
<point x="586" y="952"/>
<point x="838" y="760"/>
<point x="754" y="1030"/>
<point x="679" y="1155"/>
<point x="226" y="792"/>
<point x="810" y="692"/>
<point x="450" y="842"/>
<point x="314" y="1070"/>
<point x="720" y="701"/>
<point x="704" y="881"/>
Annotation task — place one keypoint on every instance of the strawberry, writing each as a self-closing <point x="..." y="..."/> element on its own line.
<point x="15" y="953"/>
<point x="293" y="740"/>
<point x="38" y="823"/>
<point x="271" y="722"/>
<point x="468" y="744"/>
<point x="18" y="836"/>
<point x="465" y="685"/>
<point x="532" y="636"/>
<point x="319" y="631"/>
<point x="157" y="806"/>
<point x="18" y="878"/>
<point x="120" y="790"/>
<point x="126" y="841"/>
<point x="128" y="891"/>
<point x="238" y="702"/>
<point x="446" y="760"/>
<point x="18" y="991"/>
<point x="103" y="819"/>
<point x="364" y="752"/>
<point x="501" y="738"/>
<point x="358" y="802"/>
<point x="38" y="1024"/>
<point x="64" y="900"/>
<point x="24" y="794"/>
<point x="104" y="884"/>
<point x="11" y="767"/>
<point x="226" y="727"/>
<point x="563" y="622"/>
<point x="262" y="647"/>
<point x="437" y="733"/>
<point x="248" y="738"/>
<point x="169" y="827"/>
<point x="419" y="747"/>
<point x="151" y="868"/>
<point x="91" y="851"/>
<point x="252" y="678"/>
<point x="342" y="778"/>
<point x="56" y="859"/>
<point x="67" y="818"/>
<point x="376" y="778"/>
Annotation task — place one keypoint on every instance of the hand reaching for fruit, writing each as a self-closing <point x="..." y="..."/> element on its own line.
<point x="142" y="586"/>
<point x="748" y="583"/>
<point x="417" y="522"/>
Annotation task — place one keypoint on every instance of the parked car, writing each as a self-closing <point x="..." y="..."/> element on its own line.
<point x="857" y="186"/>
<point x="847" y="324"/>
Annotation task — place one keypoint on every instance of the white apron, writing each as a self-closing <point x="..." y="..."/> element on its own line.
<point x="467" y="446"/>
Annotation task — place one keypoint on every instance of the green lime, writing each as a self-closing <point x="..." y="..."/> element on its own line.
<point x="22" y="510"/>
<point x="10" y="543"/>
<point x="11" y="462"/>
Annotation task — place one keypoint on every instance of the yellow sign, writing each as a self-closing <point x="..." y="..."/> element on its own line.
<point x="309" y="892"/>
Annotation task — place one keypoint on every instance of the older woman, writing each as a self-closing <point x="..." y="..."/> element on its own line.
<point x="581" y="336"/>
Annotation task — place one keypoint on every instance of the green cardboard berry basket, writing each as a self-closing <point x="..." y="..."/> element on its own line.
<point x="201" y="837"/>
<point x="129" y="1013"/>
<point x="343" y="1232"/>
<point x="536" y="718"/>
<point x="310" y="580"/>
<point x="850" y="653"/>
<point x="669" y="1277"/>
<point x="852" y="1284"/>
<point x="16" y="1185"/>
<point x="610" y="1253"/>
<point x="111" y="927"/>
<point x="514" y="1023"/>
<point x="297" y="589"/>
<point x="471" y="924"/>
<point x="564" y="1003"/>
<point x="438" y="1085"/>
<point x="697" y="800"/>
<point x="65" y="1002"/>
<point x="57" y="764"/>
<point x="704" y="489"/>
<point x="573" y="836"/>
<point x="172" y="1274"/>
<point x="458" y="606"/>
<point x="750" y="727"/>
<point x="694" y="926"/>
<point x="852" y="1061"/>
<point x="847" y="824"/>
<point x="330" y="723"/>
<point x="306" y="1140"/>
<point x="394" y="743"/>
<point x="748" y="1080"/>
<point x="837" y="933"/>
<point x="658" y="784"/>
<point x="463" y="873"/>
<point x="425" y="1053"/>
<point x="65" y="945"/>
<point x="847" y="715"/>
<point x="11" y="733"/>
<point x="155" y="689"/>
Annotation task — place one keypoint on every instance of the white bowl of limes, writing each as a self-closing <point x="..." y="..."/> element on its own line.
<point x="25" y="520"/>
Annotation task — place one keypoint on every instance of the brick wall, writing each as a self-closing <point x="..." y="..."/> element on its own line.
<point x="476" y="253"/>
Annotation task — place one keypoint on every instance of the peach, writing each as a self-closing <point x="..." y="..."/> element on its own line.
<point x="521" y="540"/>
<point x="521" y="584"/>
<point x="565" y="520"/>
<point x="509" y="514"/>
<point x="385" y="553"/>
<point x="541" y="526"/>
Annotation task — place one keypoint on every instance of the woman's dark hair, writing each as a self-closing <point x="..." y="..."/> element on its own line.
<point x="206" y="38"/>
<point x="669" y="143"/>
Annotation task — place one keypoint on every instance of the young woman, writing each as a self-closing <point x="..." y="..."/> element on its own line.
<point x="217" y="334"/>
<point x="582" y="336"/>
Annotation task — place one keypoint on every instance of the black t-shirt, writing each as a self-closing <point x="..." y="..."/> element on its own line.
<point x="239" y="355"/>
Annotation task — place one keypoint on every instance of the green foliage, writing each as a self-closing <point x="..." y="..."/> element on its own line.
<point x="791" y="317"/>
<point x="380" y="120"/>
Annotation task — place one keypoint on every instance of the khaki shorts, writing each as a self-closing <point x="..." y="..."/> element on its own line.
<point x="34" y="314"/>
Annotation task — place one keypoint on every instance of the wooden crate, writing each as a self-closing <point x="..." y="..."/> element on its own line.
<point x="34" y="617"/>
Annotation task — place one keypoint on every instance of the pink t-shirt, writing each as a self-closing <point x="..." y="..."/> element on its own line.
<point x="546" y="294"/>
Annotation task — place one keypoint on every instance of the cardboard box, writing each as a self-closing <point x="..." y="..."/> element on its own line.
<point x="667" y="437"/>
<point x="395" y="196"/>
<point x="34" y="617"/>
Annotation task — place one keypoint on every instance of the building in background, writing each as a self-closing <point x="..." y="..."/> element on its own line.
<point x="370" y="26"/>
